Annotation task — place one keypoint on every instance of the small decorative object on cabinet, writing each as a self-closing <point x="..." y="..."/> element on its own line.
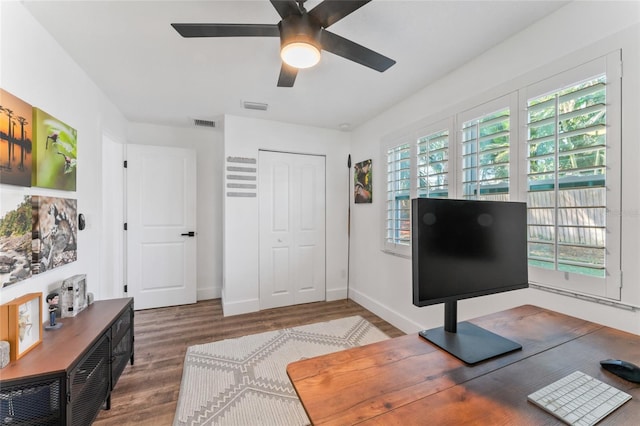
<point x="53" y="300"/>
<point x="4" y="353"/>
<point x="68" y="379"/>
<point x="73" y="295"/>
<point x="21" y="324"/>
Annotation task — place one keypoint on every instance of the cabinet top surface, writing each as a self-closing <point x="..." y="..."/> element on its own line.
<point x="61" y="348"/>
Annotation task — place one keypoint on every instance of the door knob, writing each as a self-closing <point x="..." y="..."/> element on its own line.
<point x="189" y="234"/>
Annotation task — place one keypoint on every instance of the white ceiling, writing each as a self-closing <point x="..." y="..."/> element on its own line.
<point x="153" y="75"/>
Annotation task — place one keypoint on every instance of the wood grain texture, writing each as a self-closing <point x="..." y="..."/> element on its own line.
<point x="147" y="392"/>
<point x="406" y="380"/>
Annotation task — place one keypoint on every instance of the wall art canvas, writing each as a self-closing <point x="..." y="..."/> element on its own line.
<point x="55" y="232"/>
<point x="55" y="153"/>
<point x="15" y="140"/>
<point x="362" y="185"/>
<point x="15" y="237"/>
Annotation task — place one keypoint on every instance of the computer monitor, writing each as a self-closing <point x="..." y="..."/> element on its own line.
<point x="463" y="249"/>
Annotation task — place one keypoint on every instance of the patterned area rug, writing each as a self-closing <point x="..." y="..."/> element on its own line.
<point x="244" y="381"/>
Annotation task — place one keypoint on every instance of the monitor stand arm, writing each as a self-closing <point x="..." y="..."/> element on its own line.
<point x="451" y="316"/>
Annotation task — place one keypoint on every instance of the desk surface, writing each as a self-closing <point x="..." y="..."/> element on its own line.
<point x="407" y="380"/>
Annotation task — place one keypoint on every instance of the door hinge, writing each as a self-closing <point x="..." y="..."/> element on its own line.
<point x="125" y="226"/>
<point x="620" y="69"/>
<point x="126" y="288"/>
<point x="125" y="164"/>
<point x="620" y="279"/>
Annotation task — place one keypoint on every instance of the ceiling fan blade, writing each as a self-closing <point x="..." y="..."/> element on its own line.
<point x="286" y="8"/>
<point x="287" y="75"/>
<point x="227" y="30"/>
<point x="353" y="51"/>
<point x="331" y="11"/>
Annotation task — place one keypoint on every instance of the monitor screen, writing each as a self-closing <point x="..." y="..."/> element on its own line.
<point x="465" y="249"/>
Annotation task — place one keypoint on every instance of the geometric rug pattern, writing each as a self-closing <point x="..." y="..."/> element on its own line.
<point x="243" y="381"/>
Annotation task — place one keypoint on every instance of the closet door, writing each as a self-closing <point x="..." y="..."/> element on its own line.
<point x="292" y="228"/>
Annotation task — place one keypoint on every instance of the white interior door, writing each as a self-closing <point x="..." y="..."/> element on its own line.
<point x="161" y="212"/>
<point x="291" y="191"/>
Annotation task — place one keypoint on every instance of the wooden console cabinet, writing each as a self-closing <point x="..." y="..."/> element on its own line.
<point x="68" y="378"/>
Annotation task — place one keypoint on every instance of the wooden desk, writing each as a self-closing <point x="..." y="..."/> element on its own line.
<point x="407" y="380"/>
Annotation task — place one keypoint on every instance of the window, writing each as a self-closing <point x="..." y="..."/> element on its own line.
<point x="398" y="202"/>
<point x="417" y="166"/>
<point x="567" y="178"/>
<point x="487" y="133"/>
<point x="567" y="167"/>
<point x="485" y="157"/>
<point x="571" y="179"/>
<point x="433" y="165"/>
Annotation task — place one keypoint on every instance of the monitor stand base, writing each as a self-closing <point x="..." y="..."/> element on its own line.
<point x="470" y="343"/>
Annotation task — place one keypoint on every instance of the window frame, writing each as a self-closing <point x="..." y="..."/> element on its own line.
<point x="554" y="77"/>
<point x="510" y="101"/>
<point x="447" y="125"/>
<point x="610" y="286"/>
<point x="411" y="138"/>
<point x="392" y="246"/>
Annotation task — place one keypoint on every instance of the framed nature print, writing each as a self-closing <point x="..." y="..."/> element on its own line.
<point x="362" y="185"/>
<point x="55" y="152"/>
<point x="54" y="232"/>
<point x="15" y="236"/>
<point x="22" y="324"/>
<point x="15" y="140"/>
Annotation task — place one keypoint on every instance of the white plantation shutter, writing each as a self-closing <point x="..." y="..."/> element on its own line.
<point x="398" y="200"/>
<point x="555" y="144"/>
<point x="485" y="156"/>
<point x="418" y="165"/>
<point x="572" y="167"/>
<point x="432" y="158"/>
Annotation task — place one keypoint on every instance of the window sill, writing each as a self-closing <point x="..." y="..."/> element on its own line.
<point x="397" y="254"/>
<point x="585" y="297"/>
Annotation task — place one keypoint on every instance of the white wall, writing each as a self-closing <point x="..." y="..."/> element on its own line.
<point x="382" y="282"/>
<point x="37" y="70"/>
<point x="208" y="145"/>
<point x="244" y="137"/>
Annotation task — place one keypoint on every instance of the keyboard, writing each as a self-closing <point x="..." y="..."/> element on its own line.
<point x="579" y="399"/>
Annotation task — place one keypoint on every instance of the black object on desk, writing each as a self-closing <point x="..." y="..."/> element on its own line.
<point x="624" y="369"/>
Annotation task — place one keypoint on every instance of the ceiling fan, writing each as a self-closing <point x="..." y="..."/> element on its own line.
<point x="302" y="36"/>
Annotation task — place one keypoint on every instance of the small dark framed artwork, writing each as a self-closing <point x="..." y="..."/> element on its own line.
<point x="362" y="182"/>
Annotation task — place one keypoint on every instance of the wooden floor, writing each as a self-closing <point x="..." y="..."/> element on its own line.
<point x="147" y="392"/>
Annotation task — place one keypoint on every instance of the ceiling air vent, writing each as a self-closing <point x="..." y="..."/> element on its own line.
<point x="204" y="123"/>
<point x="255" y="105"/>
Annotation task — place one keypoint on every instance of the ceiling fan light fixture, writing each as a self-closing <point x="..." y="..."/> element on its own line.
<point x="300" y="54"/>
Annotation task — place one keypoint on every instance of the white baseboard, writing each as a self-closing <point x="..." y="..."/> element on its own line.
<point x="336" y="294"/>
<point x="394" y="318"/>
<point x="209" y="293"/>
<point x="241" y="307"/>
